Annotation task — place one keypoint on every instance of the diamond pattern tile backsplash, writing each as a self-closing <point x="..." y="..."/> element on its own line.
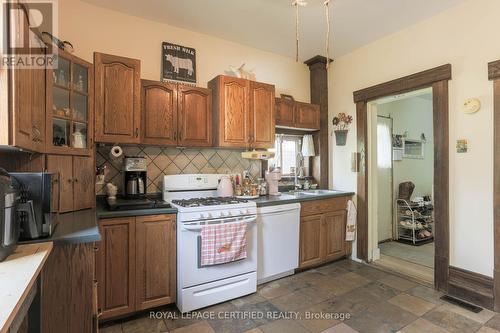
<point x="173" y="161"/>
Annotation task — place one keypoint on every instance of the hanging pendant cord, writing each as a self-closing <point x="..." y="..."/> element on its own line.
<point x="327" y="47"/>
<point x="295" y="3"/>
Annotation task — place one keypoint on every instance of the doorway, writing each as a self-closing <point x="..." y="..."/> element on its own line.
<point x="402" y="172"/>
<point x="436" y="79"/>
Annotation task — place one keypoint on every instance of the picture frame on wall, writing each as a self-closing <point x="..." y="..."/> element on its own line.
<point x="178" y="63"/>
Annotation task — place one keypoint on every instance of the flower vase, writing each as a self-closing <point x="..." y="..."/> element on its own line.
<point x="341" y="137"/>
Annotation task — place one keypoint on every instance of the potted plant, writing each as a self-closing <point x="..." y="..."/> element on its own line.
<point x="341" y="124"/>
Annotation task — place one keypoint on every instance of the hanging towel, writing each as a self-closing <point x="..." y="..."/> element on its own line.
<point x="350" y="232"/>
<point x="223" y="243"/>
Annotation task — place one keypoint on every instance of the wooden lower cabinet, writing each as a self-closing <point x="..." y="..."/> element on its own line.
<point x="155" y="261"/>
<point x="115" y="267"/>
<point x="67" y="288"/>
<point x="322" y="231"/>
<point x="136" y="264"/>
<point x="334" y="225"/>
<point x="311" y="249"/>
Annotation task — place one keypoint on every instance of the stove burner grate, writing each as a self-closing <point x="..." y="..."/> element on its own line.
<point x="212" y="201"/>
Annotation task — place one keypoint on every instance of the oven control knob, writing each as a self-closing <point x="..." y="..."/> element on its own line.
<point x="222" y="214"/>
<point x="202" y="215"/>
<point x="242" y="212"/>
<point x="209" y="215"/>
<point x="229" y="214"/>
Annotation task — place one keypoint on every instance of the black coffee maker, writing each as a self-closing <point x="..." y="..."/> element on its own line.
<point x="135" y="177"/>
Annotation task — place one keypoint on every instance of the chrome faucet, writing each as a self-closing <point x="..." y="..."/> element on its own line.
<point x="295" y="179"/>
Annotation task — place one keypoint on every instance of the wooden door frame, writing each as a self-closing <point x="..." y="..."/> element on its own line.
<point x="494" y="75"/>
<point x="436" y="78"/>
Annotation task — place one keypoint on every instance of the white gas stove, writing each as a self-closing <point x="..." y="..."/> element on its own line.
<point x="195" y="197"/>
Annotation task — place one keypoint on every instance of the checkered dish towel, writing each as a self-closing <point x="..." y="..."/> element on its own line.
<point x="350" y="232"/>
<point x="223" y="243"/>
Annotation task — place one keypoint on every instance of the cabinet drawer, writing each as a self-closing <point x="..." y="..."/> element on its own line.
<point x="154" y="218"/>
<point x="320" y="206"/>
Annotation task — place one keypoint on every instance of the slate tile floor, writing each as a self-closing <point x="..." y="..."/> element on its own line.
<point x="375" y="301"/>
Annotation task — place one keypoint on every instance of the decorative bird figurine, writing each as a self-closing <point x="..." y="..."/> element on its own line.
<point x="300" y="3"/>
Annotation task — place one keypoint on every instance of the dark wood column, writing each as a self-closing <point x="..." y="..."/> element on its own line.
<point x="319" y="95"/>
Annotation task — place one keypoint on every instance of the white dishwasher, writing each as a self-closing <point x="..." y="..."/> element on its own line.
<point x="278" y="241"/>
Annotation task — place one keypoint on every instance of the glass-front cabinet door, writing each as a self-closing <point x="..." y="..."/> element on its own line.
<point x="70" y="106"/>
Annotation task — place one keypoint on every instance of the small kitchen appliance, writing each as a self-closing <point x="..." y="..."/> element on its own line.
<point x="9" y="228"/>
<point x="197" y="203"/>
<point x="34" y="207"/>
<point x="135" y="177"/>
<point x="272" y="179"/>
<point x="225" y="187"/>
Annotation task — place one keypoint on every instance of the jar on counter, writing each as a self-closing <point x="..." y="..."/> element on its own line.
<point x="254" y="190"/>
<point x="237" y="191"/>
<point x="262" y="187"/>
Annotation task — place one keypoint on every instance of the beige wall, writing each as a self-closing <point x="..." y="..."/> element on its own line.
<point x="465" y="37"/>
<point x="90" y="28"/>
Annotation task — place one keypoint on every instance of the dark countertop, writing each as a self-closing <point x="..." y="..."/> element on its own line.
<point x="104" y="213"/>
<point x="286" y="198"/>
<point x="73" y="228"/>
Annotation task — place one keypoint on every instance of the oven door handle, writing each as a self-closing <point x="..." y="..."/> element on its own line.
<point x="197" y="227"/>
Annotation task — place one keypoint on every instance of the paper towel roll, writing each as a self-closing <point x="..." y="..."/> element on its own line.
<point x="116" y="152"/>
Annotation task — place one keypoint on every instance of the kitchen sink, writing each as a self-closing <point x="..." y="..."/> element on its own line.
<point x="313" y="192"/>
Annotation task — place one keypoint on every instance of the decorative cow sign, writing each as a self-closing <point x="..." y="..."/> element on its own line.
<point x="178" y="63"/>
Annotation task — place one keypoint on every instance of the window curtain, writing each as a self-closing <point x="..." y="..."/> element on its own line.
<point x="384" y="145"/>
<point x="276" y="162"/>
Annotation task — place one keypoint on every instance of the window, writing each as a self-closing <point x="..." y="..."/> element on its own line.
<point x="287" y="153"/>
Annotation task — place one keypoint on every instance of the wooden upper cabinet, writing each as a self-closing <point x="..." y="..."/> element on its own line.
<point x="70" y="106"/>
<point x="115" y="267"/>
<point x="243" y="113"/>
<point x="117" y="99"/>
<point x="261" y="115"/>
<point x="285" y="112"/>
<point x="155" y="261"/>
<point x="22" y="101"/>
<point x="231" y="111"/>
<point x="27" y="96"/>
<point x="28" y="114"/>
<point x="194" y="116"/>
<point x="290" y="113"/>
<point x="307" y="116"/>
<point x="159" y="113"/>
